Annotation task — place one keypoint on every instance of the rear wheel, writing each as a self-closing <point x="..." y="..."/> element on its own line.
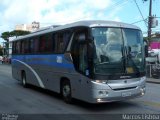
<point x="66" y="91"/>
<point x="24" y="83"/>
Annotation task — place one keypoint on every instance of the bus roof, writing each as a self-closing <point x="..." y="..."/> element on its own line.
<point x="87" y="23"/>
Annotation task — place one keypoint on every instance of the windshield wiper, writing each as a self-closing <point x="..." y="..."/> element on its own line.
<point x="128" y="61"/>
<point x="131" y="64"/>
<point x="102" y="63"/>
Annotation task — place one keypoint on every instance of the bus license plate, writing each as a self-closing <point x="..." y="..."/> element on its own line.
<point x="126" y="94"/>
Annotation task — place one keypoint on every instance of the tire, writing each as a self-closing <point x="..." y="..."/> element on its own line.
<point x="24" y="82"/>
<point x="66" y="91"/>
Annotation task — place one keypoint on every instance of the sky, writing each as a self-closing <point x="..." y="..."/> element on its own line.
<point x="57" y="12"/>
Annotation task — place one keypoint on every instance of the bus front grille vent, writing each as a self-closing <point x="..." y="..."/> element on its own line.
<point x="126" y="88"/>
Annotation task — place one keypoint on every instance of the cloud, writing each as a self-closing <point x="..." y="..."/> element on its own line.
<point x="49" y="12"/>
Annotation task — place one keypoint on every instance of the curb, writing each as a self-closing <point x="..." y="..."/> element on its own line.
<point x="153" y="82"/>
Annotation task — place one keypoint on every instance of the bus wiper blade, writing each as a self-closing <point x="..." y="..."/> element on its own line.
<point x="102" y="63"/>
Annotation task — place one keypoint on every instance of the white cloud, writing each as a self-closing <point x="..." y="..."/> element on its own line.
<point x="53" y="11"/>
<point x="98" y="4"/>
<point x="49" y="12"/>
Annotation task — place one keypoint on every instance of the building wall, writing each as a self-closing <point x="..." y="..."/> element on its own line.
<point x="28" y="27"/>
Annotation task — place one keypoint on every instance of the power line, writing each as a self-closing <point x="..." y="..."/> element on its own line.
<point x="118" y="4"/>
<point x="139" y="21"/>
<point x="140" y="12"/>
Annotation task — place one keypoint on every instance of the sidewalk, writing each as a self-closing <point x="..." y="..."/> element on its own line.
<point x="153" y="80"/>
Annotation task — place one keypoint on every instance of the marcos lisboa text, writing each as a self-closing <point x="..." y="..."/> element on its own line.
<point x="141" y="116"/>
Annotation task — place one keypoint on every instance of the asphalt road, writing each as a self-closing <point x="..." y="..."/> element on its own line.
<point x="15" y="99"/>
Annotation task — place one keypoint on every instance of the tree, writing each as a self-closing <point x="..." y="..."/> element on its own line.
<point x="18" y="33"/>
<point x="6" y="35"/>
<point x="157" y="34"/>
<point x="1" y="50"/>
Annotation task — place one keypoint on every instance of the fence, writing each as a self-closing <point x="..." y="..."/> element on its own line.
<point x="153" y="70"/>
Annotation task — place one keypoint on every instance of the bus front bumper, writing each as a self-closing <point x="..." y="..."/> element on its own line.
<point x="109" y="95"/>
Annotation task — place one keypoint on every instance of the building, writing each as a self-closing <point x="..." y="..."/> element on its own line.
<point x="28" y="27"/>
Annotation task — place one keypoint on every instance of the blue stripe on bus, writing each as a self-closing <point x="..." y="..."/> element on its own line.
<point x="50" y="60"/>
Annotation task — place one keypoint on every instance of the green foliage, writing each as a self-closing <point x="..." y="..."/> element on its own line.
<point x="145" y="38"/>
<point x="18" y="33"/>
<point x="6" y="35"/>
<point x="1" y="50"/>
<point x="157" y="34"/>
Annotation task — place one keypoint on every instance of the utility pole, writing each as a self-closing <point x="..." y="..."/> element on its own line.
<point x="150" y="21"/>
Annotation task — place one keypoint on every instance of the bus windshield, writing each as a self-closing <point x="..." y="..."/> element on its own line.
<point x="118" y="50"/>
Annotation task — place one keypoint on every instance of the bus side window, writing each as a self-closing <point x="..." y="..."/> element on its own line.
<point x="13" y="47"/>
<point x="18" y="47"/>
<point x="58" y="42"/>
<point x="66" y="38"/>
<point x="26" y="50"/>
<point x="23" y="45"/>
<point x="42" y="44"/>
<point x="32" y="45"/>
<point x="53" y="43"/>
<point x="49" y="42"/>
<point x="36" y="42"/>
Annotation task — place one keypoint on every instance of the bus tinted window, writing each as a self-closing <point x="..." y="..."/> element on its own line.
<point x="32" y="45"/>
<point x="13" y="48"/>
<point x="17" y="47"/>
<point x="23" y="45"/>
<point x="36" y="45"/>
<point x="46" y="43"/>
<point x="42" y="44"/>
<point x="49" y="43"/>
<point x="66" y="38"/>
<point x="61" y="40"/>
<point x="26" y="47"/>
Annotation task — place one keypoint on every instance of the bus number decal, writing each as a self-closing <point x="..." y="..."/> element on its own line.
<point x="59" y="59"/>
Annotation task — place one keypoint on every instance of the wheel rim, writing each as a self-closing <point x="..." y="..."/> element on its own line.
<point x="66" y="90"/>
<point x="23" y="81"/>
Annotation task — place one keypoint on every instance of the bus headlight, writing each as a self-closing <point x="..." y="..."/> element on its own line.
<point x="100" y="81"/>
<point x="143" y="90"/>
<point x="103" y="93"/>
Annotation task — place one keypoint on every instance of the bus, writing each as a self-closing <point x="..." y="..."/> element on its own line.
<point x="93" y="61"/>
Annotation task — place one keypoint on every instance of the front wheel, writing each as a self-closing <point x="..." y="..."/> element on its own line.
<point x="66" y="91"/>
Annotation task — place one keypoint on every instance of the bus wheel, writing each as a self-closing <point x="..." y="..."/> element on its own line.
<point x="24" y="83"/>
<point x="66" y="91"/>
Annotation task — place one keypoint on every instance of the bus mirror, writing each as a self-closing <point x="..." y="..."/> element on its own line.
<point x="68" y="57"/>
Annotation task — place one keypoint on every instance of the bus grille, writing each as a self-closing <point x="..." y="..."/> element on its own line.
<point x="116" y="89"/>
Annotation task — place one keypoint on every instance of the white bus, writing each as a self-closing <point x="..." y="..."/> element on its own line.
<point x="93" y="61"/>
